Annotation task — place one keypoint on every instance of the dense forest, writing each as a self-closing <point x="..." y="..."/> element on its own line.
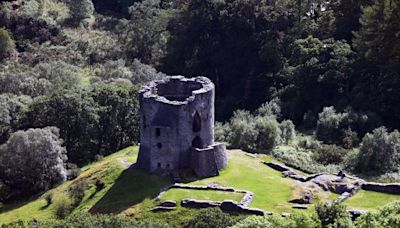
<point x="321" y="75"/>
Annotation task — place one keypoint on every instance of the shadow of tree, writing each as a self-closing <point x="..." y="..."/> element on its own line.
<point x="132" y="187"/>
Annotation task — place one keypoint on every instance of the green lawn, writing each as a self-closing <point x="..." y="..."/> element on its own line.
<point x="271" y="191"/>
<point x="179" y="194"/>
<point x="368" y="200"/>
<point x="131" y="192"/>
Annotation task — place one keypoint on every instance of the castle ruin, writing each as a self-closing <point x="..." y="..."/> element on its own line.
<point x="177" y="127"/>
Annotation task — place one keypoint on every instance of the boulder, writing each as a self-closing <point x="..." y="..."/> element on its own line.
<point x="355" y="213"/>
<point x="300" y="206"/>
<point x="306" y="198"/>
<point x="168" y="203"/>
<point x="192" y="203"/>
<point x="161" y="209"/>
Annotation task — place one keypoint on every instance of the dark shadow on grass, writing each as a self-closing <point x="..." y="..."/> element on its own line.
<point x="132" y="187"/>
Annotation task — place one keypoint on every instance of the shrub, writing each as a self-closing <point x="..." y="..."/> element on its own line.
<point x="62" y="206"/>
<point x="329" y="125"/>
<point x="210" y="218"/>
<point x="385" y="217"/>
<point x="243" y="131"/>
<point x="49" y="198"/>
<point x="271" y="109"/>
<point x="295" y="220"/>
<point x="350" y="139"/>
<point x="344" y="128"/>
<point x="379" y="152"/>
<point x="221" y="132"/>
<point x="333" y="215"/>
<point x="288" y="132"/>
<point x="330" y="154"/>
<point x="77" y="190"/>
<point x="7" y="44"/>
<point x="268" y="133"/>
<point x="33" y="160"/>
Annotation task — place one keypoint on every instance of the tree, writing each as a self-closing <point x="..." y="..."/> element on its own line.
<point x="7" y="44"/>
<point x="76" y="115"/>
<point x="12" y="109"/>
<point x="33" y="160"/>
<point x="81" y="9"/>
<point x="379" y="152"/>
<point x="146" y="33"/>
<point x="318" y="73"/>
<point x="377" y="39"/>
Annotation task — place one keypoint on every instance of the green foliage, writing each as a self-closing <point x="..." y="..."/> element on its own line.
<point x="315" y="66"/>
<point x="288" y="131"/>
<point x="211" y="218"/>
<point x="379" y="152"/>
<point x="331" y="154"/>
<point x="146" y="34"/>
<point x="269" y="133"/>
<point x="295" y="220"/>
<point x="34" y="160"/>
<point x="386" y="217"/>
<point x="81" y="9"/>
<point x="91" y="121"/>
<point x="63" y="206"/>
<point x="86" y="220"/>
<point x="7" y="44"/>
<point x="334" y="215"/>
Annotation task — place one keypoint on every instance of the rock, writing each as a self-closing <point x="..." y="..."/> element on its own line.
<point x="192" y="203"/>
<point x="277" y="166"/>
<point x="232" y="206"/>
<point x="247" y="199"/>
<point x="343" y="197"/>
<point x="161" y="209"/>
<point x="300" y="206"/>
<point x="305" y="198"/>
<point x="168" y="203"/>
<point x="285" y="214"/>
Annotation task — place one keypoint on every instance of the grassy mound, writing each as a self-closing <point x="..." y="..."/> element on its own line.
<point x="131" y="192"/>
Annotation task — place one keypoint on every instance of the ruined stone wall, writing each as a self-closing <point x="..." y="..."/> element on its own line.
<point x="177" y="114"/>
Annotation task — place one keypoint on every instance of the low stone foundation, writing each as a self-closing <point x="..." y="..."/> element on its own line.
<point x="379" y="187"/>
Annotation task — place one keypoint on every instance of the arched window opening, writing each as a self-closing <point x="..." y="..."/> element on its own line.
<point x="197" y="142"/>
<point x="196" y="122"/>
<point x="158" y="132"/>
<point x="159" y="165"/>
<point x="168" y="166"/>
<point x="159" y="145"/>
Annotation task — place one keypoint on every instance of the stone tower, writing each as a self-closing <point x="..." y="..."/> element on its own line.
<point x="177" y="127"/>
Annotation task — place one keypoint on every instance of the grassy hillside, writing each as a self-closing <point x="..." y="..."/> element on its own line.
<point x="131" y="192"/>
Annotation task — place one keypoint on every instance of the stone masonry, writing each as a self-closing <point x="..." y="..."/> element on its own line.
<point x="177" y="127"/>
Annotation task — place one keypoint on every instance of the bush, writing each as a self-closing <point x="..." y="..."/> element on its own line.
<point x="7" y="44"/>
<point x="49" y="198"/>
<point x="62" y="206"/>
<point x="331" y="154"/>
<point x="87" y="220"/>
<point x="210" y="218"/>
<point x="77" y="190"/>
<point x="243" y="131"/>
<point x="295" y="220"/>
<point x="385" y="217"/>
<point x="344" y="128"/>
<point x="268" y="135"/>
<point x="221" y="132"/>
<point x="34" y="160"/>
<point x="379" y="152"/>
<point x="288" y="132"/>
<point x="334" y="215"/>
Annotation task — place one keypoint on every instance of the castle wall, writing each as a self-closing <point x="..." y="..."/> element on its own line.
<point x="177" y="114"/>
